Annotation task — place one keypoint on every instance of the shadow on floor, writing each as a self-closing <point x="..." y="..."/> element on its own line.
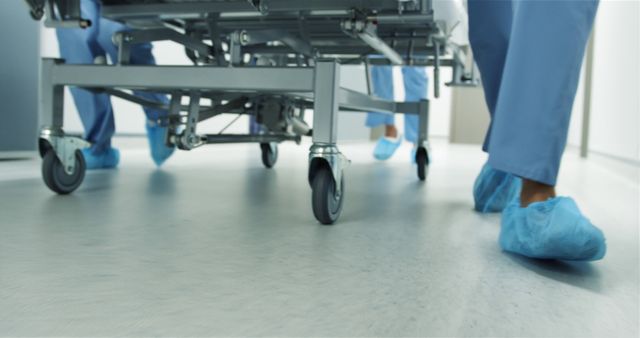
<point x="161" y="183"/>
<point x="99" y="180"/>
<point x="580" y="274"/>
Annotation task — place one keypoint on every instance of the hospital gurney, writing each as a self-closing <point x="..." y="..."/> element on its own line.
<point x="271" y="59"/>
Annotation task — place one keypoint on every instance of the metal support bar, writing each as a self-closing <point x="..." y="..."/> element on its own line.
<point x="426" y="6"/>
<point x="51" y="96"/>
<point x="124" y="49"/>
<point x="351" y="54"/>
<point x="235" y="106"/>
<point x="401" y="19"/>
<point x="235" y="48"/>
<point x="175" y="107"/>
<point x="367" y="70"/>
<point x="51" y="111"/>
<point x="214" y="33"/>
<point x="250" y="79"/>
<point x="353" y="100"/>
<point x="232" y="107"/>
<point x="164" y="34"/>
<point x="199" y="7"/>
<point x="436" y="69"/>
<point x="267" y="138"/>
<point x="366" y="31"/>
<point x="326" y="103"/>
<point x="325" y="122"/>
<point x="376" y="43"/>
<point x="423" y="123"/>
<point x="189" y="139"/>
<point x="64" y="14"/>
<point x="136" y="99"/>
<point x="350" y="100"/>
<point x="252" y="37"/>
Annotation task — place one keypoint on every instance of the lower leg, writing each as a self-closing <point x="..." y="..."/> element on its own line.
<point x="533" y="191"/>
<point x="529" y="129"/>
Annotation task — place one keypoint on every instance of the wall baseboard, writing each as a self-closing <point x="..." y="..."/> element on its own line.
<point x="18" y="155"/>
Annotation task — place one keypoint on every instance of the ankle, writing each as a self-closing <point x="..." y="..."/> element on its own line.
<point x="533" y="191"/>
<point x="390" y="131"/>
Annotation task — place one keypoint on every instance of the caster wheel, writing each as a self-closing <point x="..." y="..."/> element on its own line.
<point x="56" y="178"/>
<point x="422" y="161"/>
<point x="269" y="154"/>
<point x="326" y="202"/>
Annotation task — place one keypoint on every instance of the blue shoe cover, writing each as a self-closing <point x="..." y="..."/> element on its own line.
<point x="494" y="189"/>
<point x="386" y="147"/>
<point x="159" y="150"/>
<point x="107" y="159"/>
<point x="554" y="229"/>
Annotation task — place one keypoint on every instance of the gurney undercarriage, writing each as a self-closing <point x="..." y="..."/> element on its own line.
<point x="270" y="59"/>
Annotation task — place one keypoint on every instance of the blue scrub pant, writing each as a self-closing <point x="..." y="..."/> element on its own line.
<point x="415" y="88"/>
<point x="529" y="53"/>
<point x="82" y="46"/>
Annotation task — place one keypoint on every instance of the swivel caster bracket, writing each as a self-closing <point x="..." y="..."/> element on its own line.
<point x="65" y="147"/>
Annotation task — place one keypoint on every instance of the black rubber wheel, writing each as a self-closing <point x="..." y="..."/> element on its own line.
<point x="326" y="203"/>
<point x="269" y="154"/>
<point x="422" y="161"/>
<point x="56" y="178"/>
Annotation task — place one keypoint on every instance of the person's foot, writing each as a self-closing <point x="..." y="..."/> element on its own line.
<point x="160" y="152"/>
<point x="386" y="147"/>
<point x="107" y="159"/>
<point x="494" y="189"/>
<point x="552" y="229"/>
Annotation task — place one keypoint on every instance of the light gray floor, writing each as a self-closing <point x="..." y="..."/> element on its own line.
<point x="213" y="244"/>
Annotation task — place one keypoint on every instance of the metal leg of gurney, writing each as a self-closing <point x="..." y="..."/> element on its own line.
<point x="326" y="163"/>
<point x="422" y="153"/>
<point x="63" y="166"/>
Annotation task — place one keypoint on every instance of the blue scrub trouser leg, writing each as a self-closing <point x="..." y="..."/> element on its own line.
<point x="78" y="46"/>
<point x="489" y="34"/>
<point x="382" y="78"/>
<point x="415" y="89"/>
<point x="141" y="54"/>
<point x="82" y="46"/>
<point x="539" y="80"/>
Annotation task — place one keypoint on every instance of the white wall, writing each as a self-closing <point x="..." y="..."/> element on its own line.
<point x="470" y="116"/>
<point x="615" y="97"/>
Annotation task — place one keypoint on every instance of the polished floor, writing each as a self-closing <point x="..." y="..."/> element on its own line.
<point x="213" y="244"/>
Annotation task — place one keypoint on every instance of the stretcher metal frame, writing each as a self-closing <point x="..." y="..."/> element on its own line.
<point x="272" y="59"/>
